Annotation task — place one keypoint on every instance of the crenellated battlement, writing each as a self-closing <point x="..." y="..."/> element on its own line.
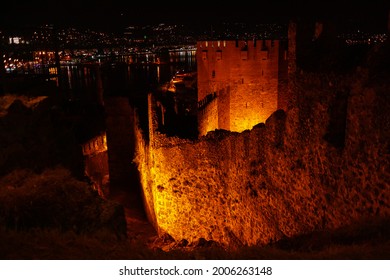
<point x="96" y="145"/>
<point x="206" y="100"/>
<point x="246" y="77"/>
<point x="275" y="180"/>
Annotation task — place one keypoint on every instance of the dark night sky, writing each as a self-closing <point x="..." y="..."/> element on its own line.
<point x="111" y="14"/>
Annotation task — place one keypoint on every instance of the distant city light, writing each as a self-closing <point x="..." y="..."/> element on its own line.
<point x="14" y="40"/>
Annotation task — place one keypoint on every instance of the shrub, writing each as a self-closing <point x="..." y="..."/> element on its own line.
<point x="55" y="199"/>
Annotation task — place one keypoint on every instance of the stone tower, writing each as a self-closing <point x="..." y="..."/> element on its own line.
<point x="239" y="82"/>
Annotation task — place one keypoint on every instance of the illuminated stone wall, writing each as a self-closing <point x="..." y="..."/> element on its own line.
<point x="208" y="118"/>
<point x="294" y="174"/>
<point x="244" y="77"/>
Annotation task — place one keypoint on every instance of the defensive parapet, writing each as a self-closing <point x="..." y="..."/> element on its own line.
<point x="96" y="163"/>
<point x="243" y="78"/>
<point x="96" y="145"/>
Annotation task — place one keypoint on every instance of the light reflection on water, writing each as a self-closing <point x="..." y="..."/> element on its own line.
<point x="133" y="75"/>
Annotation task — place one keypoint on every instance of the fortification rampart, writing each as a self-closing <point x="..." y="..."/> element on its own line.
<point x="96" y="163"/>
<point x="95" y="146"/>
<point x="295" y="174"/>
<point x="108" y="157"/>
<point x="244" y="76"/>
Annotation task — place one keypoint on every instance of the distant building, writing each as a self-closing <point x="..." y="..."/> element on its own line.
<point x="240" y="83"/>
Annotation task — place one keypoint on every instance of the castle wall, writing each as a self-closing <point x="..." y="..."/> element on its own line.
<point x="244" y="75"/>
<point x="223" y="106"/>
<point x="96" y="163"/>
<point x="283" y="73"/>
<point x="108" y="157"/>
<point x="208" y="118"/>
<point x="279" y="179"/>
